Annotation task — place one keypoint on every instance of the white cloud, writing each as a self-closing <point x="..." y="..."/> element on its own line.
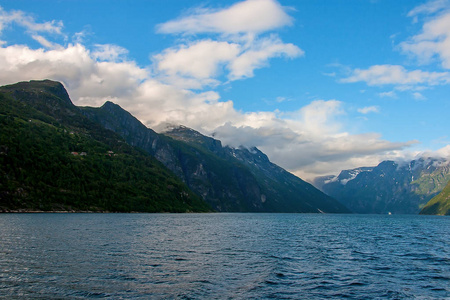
<point x="390" y="94"/>
<point x="397" y="75"/>
<point x="309" y="142"/>
<point x="429" y="7"/>
<point x="443" y="152"/>
<point x="235" y="54"/>
<point x="44" y="42"/>
<point x="369" y="109"/>
<point x="109" y="52"/>
<point x="248" y="16"/>
<point x="434" y="40"/>
<point x="418" y="96"/>
<point x="196" y="65"/>
<point x="309" y="155"/>
<point x="258" y="54"/>
<point x="24" y="20"/>
<point x="74" y="66"/>
<point x="318" y="118"/>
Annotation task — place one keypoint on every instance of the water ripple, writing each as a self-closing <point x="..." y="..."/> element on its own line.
<point x="223" y="256"/>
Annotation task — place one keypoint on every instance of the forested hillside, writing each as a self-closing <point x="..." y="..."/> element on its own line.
<point x="54" y="158"/>
<point x="439" y="205"/>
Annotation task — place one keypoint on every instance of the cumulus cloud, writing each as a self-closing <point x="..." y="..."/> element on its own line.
<point x="74" y="66"/>
<point x="397" y="75"/>
<point x="310" y="141"/>
<point x="248" y="16"/>
<point x="431" y="44"/>
<point x="308" y="155"/>
<point x="196" y="64"/>
<point x="258" y="54"/>
<point x="434" y="40"/>
<point x="239" y="47"/>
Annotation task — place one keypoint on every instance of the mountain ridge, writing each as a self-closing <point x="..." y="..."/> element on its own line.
<point x="213" y="171"/>
<point x="227" y="179"/>
<point x="53" y="158"/>
<point x="396" y="187"/>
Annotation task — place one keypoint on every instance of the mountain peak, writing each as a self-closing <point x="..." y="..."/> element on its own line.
<point x="391" y="186"/>
<point x="38" y="90"/>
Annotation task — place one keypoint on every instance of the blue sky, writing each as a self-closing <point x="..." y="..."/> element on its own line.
<point x="319" y="86"/>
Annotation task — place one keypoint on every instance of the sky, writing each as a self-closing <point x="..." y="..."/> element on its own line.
<point x="319" y="86"/>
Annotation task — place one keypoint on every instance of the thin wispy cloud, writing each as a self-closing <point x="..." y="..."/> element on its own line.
<point x="31" y="26"/>
<point x="397" y="75"/>
<point x="369" y="109"/>
<point x="390" y="94"/>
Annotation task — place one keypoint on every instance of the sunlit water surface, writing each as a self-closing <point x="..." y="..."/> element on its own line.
<point x="223" y="256"/>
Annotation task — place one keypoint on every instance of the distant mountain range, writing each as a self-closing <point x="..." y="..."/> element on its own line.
<point x="57" y="156"/>
<point x="401" y="188"/>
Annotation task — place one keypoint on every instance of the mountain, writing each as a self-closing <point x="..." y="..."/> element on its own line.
<point x="52" y="157"/>
<point x="402" y="188"/>
<point x="228" y="179"/>
<point x="438" y="205"/>
<point x="57" y="156"/>
<point x="266" y="185"/>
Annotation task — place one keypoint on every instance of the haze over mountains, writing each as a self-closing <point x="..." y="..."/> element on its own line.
<point x="394" y="187"/>
<point x="109" y="154"/>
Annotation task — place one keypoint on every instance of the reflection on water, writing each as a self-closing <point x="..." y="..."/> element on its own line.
<point x="223" y="256"/>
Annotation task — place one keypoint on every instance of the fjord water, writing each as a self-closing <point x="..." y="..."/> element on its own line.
<point x="223" y="256"/>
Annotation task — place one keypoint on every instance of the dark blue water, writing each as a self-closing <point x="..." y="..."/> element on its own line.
<point x="223" y="256"/>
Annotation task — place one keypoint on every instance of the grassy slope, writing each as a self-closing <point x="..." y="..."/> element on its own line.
<point x="440" y="204"/>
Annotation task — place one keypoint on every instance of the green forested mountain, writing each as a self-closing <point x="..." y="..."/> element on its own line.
<point x="54" y="158"/>
<point x="439" y="205"/>
<point x="242" y="180"/>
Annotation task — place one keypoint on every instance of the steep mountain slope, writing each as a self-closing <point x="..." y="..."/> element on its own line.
<point x="54" y="158"/>
<point x="278" y="190"/>
<point x="228" y="179"/>
<point x="438" y="205"/>
<point x="388" y="187"/>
